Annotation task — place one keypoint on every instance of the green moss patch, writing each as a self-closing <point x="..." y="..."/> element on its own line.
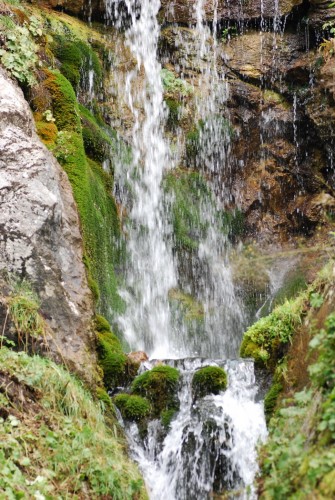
<point x="266" y="341"/>
<point x="209" y="380"/>
<point x="76" y="58"/>
<point x="159" y="386"/>
<point x="132" y="407"/>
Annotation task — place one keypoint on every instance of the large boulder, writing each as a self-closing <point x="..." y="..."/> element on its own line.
<point x="39" y="232"/>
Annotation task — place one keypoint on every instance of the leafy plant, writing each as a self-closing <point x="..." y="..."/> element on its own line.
<point x="19" y="52"/>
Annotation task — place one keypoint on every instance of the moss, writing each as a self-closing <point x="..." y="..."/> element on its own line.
<point x="159" y="385"/>
<point x="167" y="417"/>
<point x="111" y="359"/>
<point x="132" y="407"/>
<point x="97" y="142"/>
<point x="47" y="132"/>
<point x="103" y="396"/>
<point x="209" y="380"/>
<point x="101" y="324"/>
<point x="271" y="398"/>
<point x="267" y="340"/>
<point x="64" y="101"/>
<point x="77" y="58"/>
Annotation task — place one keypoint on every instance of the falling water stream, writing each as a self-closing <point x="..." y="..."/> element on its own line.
<point x="211" y="444"/>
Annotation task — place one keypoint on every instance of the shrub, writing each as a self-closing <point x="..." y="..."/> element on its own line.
<point x="209" y="380"/>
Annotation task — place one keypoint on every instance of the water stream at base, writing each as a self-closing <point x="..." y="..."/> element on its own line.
<point x="211" y="444"/>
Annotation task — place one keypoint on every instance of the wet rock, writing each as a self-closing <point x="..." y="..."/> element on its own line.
<point x="137" y="357"/>
<point x="183" y="11"/>
<point x="39" y="232"/>
<point x="257" y="56"/>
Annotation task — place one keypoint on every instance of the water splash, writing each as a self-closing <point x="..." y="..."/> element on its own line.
<point x="212" y="442"/>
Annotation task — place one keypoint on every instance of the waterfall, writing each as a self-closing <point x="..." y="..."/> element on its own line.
<point x="211" y="444"/>
<point x="150" y="273"/>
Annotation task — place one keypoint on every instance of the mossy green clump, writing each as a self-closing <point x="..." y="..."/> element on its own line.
<point x="167" y="417"/>
<point x="101" y="324"/>
<point x="98" y="143"/>
<point x="132" y="407"/>
<point x="159" y="385"/>
<point x="112" y="360"/>
<point x="267" y="340"/>
<point x="77" y="58"/>
<point x="64" y="101"/>
<point x="57" y="433"/>
<point x="209" y="380"/>
<point x="92" y="188"/>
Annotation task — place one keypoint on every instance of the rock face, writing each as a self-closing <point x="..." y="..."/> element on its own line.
<point x="182" y="11"/>
<point x="39" y="232"/>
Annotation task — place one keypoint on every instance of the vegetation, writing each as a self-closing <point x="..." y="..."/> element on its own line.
<point x="266" y="341"/>
<point x="55" y="442"/>
<point x="209" y="380"/>
<point x="132" y="407"/>
<point x="159" y="385"/>
<point x="175" y="86"/>
<point x="299" y="458"/>
<point x="112" y="360"/>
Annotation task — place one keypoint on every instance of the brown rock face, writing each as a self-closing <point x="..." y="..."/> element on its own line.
<point x="39" y="232"/>
<point x="183" y="11"/>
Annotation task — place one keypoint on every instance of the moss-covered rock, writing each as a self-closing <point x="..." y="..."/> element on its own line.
<point x="132" y="407"/>
<point x="160" y="386"/>
<point x="266" y="341"/>
<point x="97" y="138"/>
<point x="209" y="380"/>
<point x="77" y="59"/>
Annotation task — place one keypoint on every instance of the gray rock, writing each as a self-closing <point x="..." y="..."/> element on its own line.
<point x="39" y="232"/>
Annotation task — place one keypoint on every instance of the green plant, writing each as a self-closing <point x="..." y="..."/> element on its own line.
<point x="175" y="86"/>
<point x="209" y="380"/>
<point x="19" y="53"/>
<point x="23" y="306"/>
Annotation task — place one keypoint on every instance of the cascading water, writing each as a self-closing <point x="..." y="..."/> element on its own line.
<point x="211" y="443"/>
<point x="150" y="274"/>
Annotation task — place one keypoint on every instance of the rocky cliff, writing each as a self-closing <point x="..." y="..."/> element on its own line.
<point x="40" y="233"/>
